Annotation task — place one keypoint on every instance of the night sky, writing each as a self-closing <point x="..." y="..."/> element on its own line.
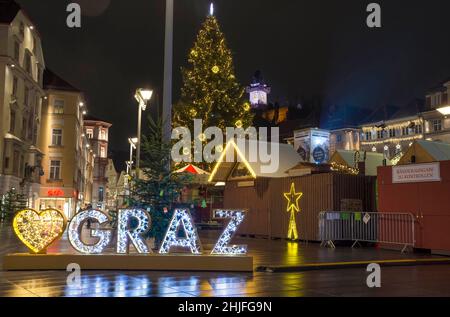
<point x="303" y="48"/>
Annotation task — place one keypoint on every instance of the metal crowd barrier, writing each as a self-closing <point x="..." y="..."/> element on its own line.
<point x="376" y="227"/>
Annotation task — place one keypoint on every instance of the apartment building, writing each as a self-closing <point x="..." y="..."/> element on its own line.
<point x="65" y="183"/>
<point x="437" y="116"/>
<point x="21" y="94"/>
<point x="393" y="130"/>
<point x="97" y="131"/>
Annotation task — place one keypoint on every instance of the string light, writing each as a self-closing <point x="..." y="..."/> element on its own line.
<point x="293" y="199"/>
<point x="393" y="140"/>
<point x="215" y="69"/>
<point x="39" y="230"/>
<point x="74" y="232"/>
<point x="336" y="167"/>
<point x="181" y="218"/>
<point x="125" y="234"/>
<point x="222" y="247"/>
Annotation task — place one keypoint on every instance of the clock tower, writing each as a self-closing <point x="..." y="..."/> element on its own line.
<point x="258" y="91"/>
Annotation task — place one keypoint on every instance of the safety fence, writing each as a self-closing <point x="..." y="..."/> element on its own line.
<point x="376" y="227"/>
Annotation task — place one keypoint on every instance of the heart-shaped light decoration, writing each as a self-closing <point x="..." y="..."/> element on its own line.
<point x="38" y="230"/>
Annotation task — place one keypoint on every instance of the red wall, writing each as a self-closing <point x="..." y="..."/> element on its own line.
<point x="428" y="202"/>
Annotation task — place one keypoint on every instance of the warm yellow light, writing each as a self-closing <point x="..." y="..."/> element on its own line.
<point x="247" y="106"/>
<point x="445" y="110"/>
<point x="239" y="124"/>
<point x="223" y="156"/>
<point x="215" y="69"/>
<point x="39" y="230"/>
<point x="293" y="199"/>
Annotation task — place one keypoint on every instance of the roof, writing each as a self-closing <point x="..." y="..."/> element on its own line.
<point x="53" y="81"/>
<point x="8" y="10"/>
<point x="287" y="159"/>
<point x="372" y="162"/>
<point x="426" y="152"/>
<point x="380" y="114"/>
<point x="90" y="118"/>
<point x="192" y="169"/>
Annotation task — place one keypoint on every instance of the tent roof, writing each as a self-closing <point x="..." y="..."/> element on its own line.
<point x="372" y="162"/>
<point x="287" y="159"/>
<point x="191" y="169"/>
<point x="427" y="152"/>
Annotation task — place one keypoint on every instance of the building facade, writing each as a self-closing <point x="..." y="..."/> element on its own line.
<point x="97" y="131"/>
<point x="437" y="118"/>
<point x="21" y="94"/>
<point x="65" y="181"/>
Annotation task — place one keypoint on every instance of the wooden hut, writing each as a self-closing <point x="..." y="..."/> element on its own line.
<point x="263" y="195"/>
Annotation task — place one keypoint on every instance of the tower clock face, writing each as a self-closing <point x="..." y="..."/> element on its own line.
<point x="258" y="97"/>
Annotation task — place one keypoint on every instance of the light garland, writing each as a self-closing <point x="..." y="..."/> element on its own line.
<point x="293" y="199"/>
<point x="75" y="227"/>
<point x="181" y="217"/>
<point x="38" y="230"/>
<point x="393" y="126"/>
<point x="392" y="140"/>
<point x="222" y="247"/>
<point x="125" y="235"/>
<point x="336" y="167"/>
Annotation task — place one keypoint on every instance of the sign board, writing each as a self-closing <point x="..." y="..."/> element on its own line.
<point x="313" y="145"/>
<point x="416" y="173"/>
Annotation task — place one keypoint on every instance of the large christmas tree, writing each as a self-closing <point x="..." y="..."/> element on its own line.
<point x="211" y="91"/>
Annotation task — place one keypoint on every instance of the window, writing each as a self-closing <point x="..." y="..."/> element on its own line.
<point x="101" y="194"/>
<point x="38" y="75"/>
<point x="392" y="133"/>
<point x="405" y="131"/>
<point x="16" y="163"/>
<point x="55" y="170"/>
<point x="12" y="121"/>
<point x="17" y="51"/>
<point x="418" y="129"/>
<point x="103" y="134"/>
<point x="368" y="136"/>
<point x="28" y="63"/>
<point x="380" y="134"/>
<point x="339" y="138"/>
<point x="58" y="106"/>
<point x="22" y="29"/>
<point x="30" y="126"/>
<point x="90" y="133"/>
<point x="102" y="152"/>
<point x="6" y="163"/>
<point x="26" y="95"/>
<point x="437" y="125"/>
<point x="56" y="137"/>
<point x="15" y="86"/>
<point x="34" y="45"/>
<point x="24" y="126"/>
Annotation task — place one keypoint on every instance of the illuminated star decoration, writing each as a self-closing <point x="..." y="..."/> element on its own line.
<point x="293" y="199"/>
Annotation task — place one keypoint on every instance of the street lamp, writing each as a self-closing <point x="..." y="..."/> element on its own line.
<point x="132" y="142"/>
<point x="142" y="97"/>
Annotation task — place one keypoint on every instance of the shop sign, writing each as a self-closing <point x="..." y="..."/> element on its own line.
<point x="55" y="193"/>
<point x="416" y="173"/>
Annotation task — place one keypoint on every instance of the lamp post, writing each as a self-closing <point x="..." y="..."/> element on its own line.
<point x="168" y="67"/>
<point x="142" y="96"/>
<point x="132" y="142"/>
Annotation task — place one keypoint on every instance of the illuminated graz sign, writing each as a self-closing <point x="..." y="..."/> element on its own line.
<point x="39" y="230"/>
